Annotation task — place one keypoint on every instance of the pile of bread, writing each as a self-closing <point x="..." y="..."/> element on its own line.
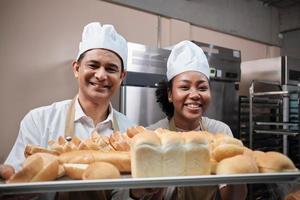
<point x="145" y="153"/>
<point x="166" y="153"/>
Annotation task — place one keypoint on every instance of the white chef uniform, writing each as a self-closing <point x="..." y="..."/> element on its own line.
<point x="48" y="123"/>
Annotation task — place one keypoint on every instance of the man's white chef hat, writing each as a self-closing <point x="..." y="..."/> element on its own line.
<point x="186" y="56"/>
<point x="105" y="37"/>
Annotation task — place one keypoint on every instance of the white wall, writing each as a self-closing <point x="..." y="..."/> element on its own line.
<point x="39" y="40"/>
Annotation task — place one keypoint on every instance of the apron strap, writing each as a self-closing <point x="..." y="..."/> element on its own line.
<point x="115" y="124"/>
<point x="69" y="128"/>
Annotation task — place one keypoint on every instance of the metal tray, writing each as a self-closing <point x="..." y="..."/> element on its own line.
<point x="128" y="182"/>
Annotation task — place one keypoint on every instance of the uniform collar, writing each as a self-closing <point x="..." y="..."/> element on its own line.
<point x="79" y="114"/>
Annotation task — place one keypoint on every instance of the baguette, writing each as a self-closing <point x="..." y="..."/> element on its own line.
<point x="74" y="171"/>
<point x="30" y="168"/>
<point x="100" y="170"/>
<point x="38" y="167"/>
<point x="32" y="149"/>
<point x="120" y="159"/>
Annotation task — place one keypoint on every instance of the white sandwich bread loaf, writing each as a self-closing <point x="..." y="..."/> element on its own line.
<point x="169" y="154"/>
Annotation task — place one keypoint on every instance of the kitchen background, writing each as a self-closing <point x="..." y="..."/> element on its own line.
<point x="39" y="39"/>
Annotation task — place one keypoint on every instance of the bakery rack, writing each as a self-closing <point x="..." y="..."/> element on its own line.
<point x="274" y="116"/>
<point x="128" y="182"/>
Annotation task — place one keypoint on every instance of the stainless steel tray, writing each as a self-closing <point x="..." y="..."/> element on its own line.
<point x="127" y="182"/>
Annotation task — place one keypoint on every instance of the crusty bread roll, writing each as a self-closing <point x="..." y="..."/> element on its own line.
<point x="38" y="167"/>
<point x="100" y="170"/>
<point x="120" y="142"/>
<point x="223" y="151"/>
<point x="167" y="153"/>
<point x="132" y="131"/>
<point x="225" y="139"/>
<point x="120" y="159"/>
<point x="293" y="196"/>
<point x="239" y="164"/>
<point x="213" y="165"/>
<point x="74" y="171"/>
<point x="272" y="161"/>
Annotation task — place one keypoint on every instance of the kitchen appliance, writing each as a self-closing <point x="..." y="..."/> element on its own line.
<point x="273" y="80"/>
<point x="269" y="111"/>
<point x="146" y="67"/>
<point x="225" y="73"/>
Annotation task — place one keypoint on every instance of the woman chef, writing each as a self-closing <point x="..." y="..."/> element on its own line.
<point x="99" y="69"/>
<point x="184" y="99"/>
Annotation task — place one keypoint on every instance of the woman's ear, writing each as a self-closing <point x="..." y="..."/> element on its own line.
<point x="170" y="96"/>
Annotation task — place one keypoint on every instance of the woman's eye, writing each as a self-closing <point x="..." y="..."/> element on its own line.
<point x="183" y="87"/>
<point x="203" y="88"/>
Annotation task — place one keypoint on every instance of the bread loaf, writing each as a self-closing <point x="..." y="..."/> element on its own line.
<point x="32" y="149"/>
<point x="197" y="156"/>
<point x="100" y="170"/>
<point x="120" y="159"/>
<point x="239" y="164"/>
<point x="273" y="162"/>
<point x="223" y="151"/>
<point x="75" y="171"/>
<point x="38" y="167"/>
<point x="166" y="153"/>
<point x="29" y="169"/>
<point x="146" y="157"/>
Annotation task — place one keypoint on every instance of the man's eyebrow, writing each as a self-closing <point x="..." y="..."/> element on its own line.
<point x="94" y="61"/>
<point x="188" y="81"/>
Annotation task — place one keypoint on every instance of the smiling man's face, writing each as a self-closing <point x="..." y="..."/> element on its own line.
<point x="99" y="74"/>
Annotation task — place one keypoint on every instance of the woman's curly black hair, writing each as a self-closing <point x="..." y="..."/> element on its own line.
<point x="162" y="97"/>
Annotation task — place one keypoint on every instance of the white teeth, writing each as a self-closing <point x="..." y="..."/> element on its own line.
<point x="193" y="105"/>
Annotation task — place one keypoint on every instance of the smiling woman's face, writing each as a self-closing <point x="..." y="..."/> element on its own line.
<point x="190" y="95"/>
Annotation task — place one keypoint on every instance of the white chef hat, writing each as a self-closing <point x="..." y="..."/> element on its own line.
<point x="105" y="37"/>
<point x="186" y="56"/>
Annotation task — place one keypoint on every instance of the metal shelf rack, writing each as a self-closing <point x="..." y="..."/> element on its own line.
<point x="281" y="124"/>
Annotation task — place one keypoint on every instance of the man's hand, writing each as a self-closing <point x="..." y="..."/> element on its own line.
<point x="6" y="171"/>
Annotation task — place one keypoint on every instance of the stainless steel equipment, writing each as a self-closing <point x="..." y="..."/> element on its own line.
<point x="282" y="70"/>
<point x="126" y="182"/>
<point x="146" y="67"/>
<point x="269" y="110"/>
<point x="225" y="76"/>
<point x="274" y="80"/>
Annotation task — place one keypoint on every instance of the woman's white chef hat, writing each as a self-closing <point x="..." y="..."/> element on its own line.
<point x="186" y="56"/>
<point x="105" y="37"/>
